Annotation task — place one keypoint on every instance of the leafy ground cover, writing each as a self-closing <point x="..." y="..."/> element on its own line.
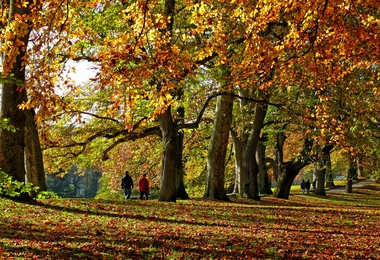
<point x="339" y="226"/>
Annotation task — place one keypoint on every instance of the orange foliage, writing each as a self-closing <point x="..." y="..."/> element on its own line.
<point x="325" y="47"/>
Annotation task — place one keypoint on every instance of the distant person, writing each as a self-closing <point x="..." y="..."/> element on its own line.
<point x="144" y="187"/>
<point x="314" y="183"/>
<point x="303" y="186"/>
<point x="307" y="186"/>
<point x="127" y="185"/>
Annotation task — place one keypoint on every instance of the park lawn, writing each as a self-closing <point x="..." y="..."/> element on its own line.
<point x="339" y="226"/>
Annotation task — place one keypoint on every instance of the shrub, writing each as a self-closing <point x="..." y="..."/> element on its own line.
<point x="12" y="188"/>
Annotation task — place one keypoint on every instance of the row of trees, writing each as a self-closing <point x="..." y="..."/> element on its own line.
<point x="74" y="183"/>
<point x="262" y="73"/>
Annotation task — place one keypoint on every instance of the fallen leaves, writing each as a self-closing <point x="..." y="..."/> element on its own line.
<point x="336" y="227"/>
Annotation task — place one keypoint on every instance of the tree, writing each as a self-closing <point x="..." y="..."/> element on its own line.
<point x="15" y="21"/>
<point x="33" y="153"/>
<point x="218" y="147"/>
<point x="263" y="178"/>
<point x="291" y="170"/>
<point x="352" y="172"/>
<point x="329" y="173"/>
<point x="250" y="164"/>
<point x="149" y="52"/>
<point x="74" y="183"/>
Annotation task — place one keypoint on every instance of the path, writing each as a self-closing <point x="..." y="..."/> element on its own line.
<point x="355" y="185"/>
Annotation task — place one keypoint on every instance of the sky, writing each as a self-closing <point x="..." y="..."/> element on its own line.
<point x="84" y="71"/>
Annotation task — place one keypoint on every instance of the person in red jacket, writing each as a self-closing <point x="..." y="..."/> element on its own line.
<point x="144" y="187"/>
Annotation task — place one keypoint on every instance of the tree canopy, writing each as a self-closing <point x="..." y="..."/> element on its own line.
<point x="160" y="64"/>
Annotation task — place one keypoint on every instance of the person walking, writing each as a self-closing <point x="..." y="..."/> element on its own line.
<point x="144" y="187"/>
<point x="303" y="186"/>
<point x="127" y="185"/>
<point x="307" y="186"/>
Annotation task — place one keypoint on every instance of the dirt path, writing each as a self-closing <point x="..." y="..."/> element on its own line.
<point x="355" y="185"/>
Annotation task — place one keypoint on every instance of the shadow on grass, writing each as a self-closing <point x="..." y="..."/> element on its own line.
<point x="227" y="229"/>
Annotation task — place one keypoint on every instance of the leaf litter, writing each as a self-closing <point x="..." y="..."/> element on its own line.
<point x="339" y="226"/>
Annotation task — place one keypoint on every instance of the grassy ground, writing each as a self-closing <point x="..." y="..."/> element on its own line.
<point x="339" y="226"/>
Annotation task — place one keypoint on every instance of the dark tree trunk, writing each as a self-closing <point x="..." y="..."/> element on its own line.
<point x="239" y="140"/>
<point x="285" y="181"/>
<point x="264" y="181"/>
<point x="294" y="166"/>
<point x="172" y="174"/>
<point x="352" y="172"/>
<point x="238" y="151"/>
<point x="250" y="166"/>
<point x="291" y="170"/>
<point x="12" y="144"/>
<point x="360" y="167"/>
<point x="180" y="185"/>
<point x="320" y="176"/>
<point x="169" y="158"/>
<point x="324" y="157"/>
<point x="278" y="163"/>
<point x="218" y="149"/>
<point x="33" y="152"/>
<point x="329" y="173"/>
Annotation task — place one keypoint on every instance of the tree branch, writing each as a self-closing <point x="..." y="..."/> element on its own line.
<point x="196" y="123"/>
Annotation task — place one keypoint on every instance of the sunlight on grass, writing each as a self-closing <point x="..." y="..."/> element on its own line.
<point x="306" y="226"/>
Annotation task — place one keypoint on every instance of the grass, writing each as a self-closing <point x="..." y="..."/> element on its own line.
<point x="338" y="226"/>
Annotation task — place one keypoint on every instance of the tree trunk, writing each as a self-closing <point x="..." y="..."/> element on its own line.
<point x="279" y="155"/>
<point x="169" y="158"/>
<point x="320" y="176"/>
<point x="250" y="166"/>
<point x="33" y="154"/>
<point x="180" y="185"/>
<point x="264" y="182"/>
<point x="218" y="149"/>
<point x="285" y="181"/>
<point x="329" y="173"/>
<point x="324" y="156"/>
<point x="12" y="144"/>
<point x="352" y="171"/>
<point x="238" y="151"/>
<point x="239" y="140"/>
<point x="292" y="169"/>
<point x="360" y="167"/>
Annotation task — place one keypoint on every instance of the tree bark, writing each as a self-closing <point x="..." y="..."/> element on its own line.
<point x="34" y="162"/>
<point x="320" y="175"/>
<point x="218" y="149"/>
<point x="360" y="167"/>
<point x="239" y="140"/>
<point x="324" y="156"/>
<point x="329" y="173"/>
<point x="285" y="181"/>
<point x="180" y="184"/>
<point x="250" y="166"/>
<point x="264" y="181"/>
<point x="169" y="157"/>
<point x="292" y="169"/>
<point x="12" y="144"/>
<point x="279" y="155"/>
<point x="352" y="171"/>
<point x="238" y="151"/>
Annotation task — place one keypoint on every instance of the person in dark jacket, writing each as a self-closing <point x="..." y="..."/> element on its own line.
<point x="307" y="186"/>
<point x="127" y="185"/>
<point x="303" y="186"/>
<point x="144" y="187"/>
